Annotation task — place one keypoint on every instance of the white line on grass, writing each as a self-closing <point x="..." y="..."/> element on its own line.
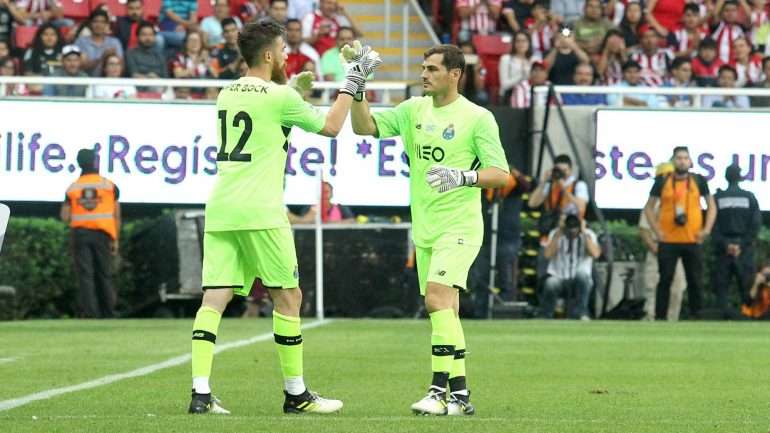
<point x="144" y="371"/>
<point x="7" y="360"/>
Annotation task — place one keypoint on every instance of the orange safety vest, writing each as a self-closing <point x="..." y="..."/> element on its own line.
<point x="684" y="193"/>
<point x="92" y="203"/>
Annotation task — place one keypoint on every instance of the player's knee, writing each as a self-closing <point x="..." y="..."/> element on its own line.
<point x="217" y="298"/>
<point x="438" y="297"/>
<point x="287" y="301"/>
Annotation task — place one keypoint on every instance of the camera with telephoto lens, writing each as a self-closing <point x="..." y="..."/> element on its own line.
<point x="680" y="216"/>
<point x="557" y="174"/>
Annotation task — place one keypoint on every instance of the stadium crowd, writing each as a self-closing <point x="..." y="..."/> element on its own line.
<point x="158" y="39"/>
<point x="624" y="43"/>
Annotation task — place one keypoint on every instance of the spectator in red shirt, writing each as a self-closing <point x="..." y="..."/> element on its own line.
<point x="298" y="52"/>
<point x="665" y="13"/>
<point x="748" y="65"/>
<point x="685" y="38"/>
<point x="631" y="22"/>
<point x="728" y="29"/>
<point x="705" y="66"/>
<point x="477" y="17"/>
<point x="126" y="26"/>
<point x="319" y="28"/>
<point x="653" y="59"/>
<point x="612" y="57"/>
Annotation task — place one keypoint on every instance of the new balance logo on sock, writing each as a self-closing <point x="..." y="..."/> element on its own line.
<point x="198" y="334"/>
<point x="443" y="350"/>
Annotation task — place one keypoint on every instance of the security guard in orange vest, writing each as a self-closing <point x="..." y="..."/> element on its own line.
<point x="92" y="210"/>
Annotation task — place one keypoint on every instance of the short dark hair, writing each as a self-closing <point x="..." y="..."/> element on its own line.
<point x="143" y="25"/>
<point x="563" y="159"/>
<point x="453" y="56"/>
<point x="345" y="29"/>
<point x="293" y="20"/>
<point x="256" y="36"/>
<point x="229" y="21"/>
<point x="134" y="1"/>
<point x="631" y="64"/>
<point x="729" y="3"/>
<point x="727" y="68"/>
<point x="692" y="7"/>
<point x="678" y="149"/>
<point x="707" y="42"/>
<point x="679" y="61"/>
<point x="99" y="12"/>
<point x="276" y="1"/>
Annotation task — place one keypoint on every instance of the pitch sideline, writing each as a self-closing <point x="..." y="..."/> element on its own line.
<point x="143" y="371"/>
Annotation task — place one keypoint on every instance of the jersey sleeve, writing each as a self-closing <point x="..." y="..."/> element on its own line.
<point x="581" y="190"/>
<point x="298" y="112"/>
<point x="657" y="187"/>
<point x="486" y="143"/>
<point x="392" y="122"/>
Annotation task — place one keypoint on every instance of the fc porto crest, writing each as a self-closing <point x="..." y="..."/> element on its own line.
<point x="449" y="132"/>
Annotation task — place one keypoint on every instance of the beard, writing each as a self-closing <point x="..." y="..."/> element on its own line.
<point x="278" y="74"/>
<point x="681" y="170"/>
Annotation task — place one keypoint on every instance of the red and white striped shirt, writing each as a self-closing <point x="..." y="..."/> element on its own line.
<point x="750" y="73"/>
<point x="480" y="21"/>
<point x="614" y="73"/>
<point x="725" y="34"/>
<point x="521" y="97"/>
<point x="654" y="66"/>
<point x="685" y="41"/>
<point x="313" y="22"/>
<point x="542" y="40"/>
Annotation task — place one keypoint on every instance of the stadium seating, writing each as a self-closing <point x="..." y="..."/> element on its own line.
<point x="489" y="49"/>
<point x="116" y="8"/>
<point x="76" y="9"/>
<point x="205" y="8"/>
<point x="24" y="35"/>
<point x="152" y="9"/>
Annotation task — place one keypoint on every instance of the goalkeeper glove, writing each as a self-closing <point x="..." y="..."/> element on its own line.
<point x="443" y="179"/>
<point x="302" y="82"/>
<point x="366" y="58"/>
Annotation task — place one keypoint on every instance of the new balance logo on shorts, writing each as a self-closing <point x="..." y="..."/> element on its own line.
<point x="441" y="273"/>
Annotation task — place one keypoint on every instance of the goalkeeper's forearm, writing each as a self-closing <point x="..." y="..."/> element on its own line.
<point x="491" y="177"/>
<point x="336" y="115"/>
<point x="361" y="118"/>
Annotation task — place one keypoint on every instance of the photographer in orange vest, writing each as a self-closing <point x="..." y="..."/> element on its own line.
<point x="680" y="228"/>
<point x="92" y="210"/>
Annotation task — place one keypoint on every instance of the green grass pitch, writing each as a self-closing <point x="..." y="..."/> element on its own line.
<point x="525" y="376"/>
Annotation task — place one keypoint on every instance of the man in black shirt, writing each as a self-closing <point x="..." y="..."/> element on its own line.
<point x="564" y="58"/>
<point x="737" y="225"/>
<point x="225" y="56"/>
<point x="508" y="240"/>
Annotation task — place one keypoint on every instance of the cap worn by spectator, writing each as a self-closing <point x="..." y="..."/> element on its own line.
<point x="70" y="49"/>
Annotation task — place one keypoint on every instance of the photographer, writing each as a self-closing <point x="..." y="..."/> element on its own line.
<point x="570" y="252"/>
<point x="759" y="302"/>
<point x="680" y="229"/>
<point x="561" y="193"/>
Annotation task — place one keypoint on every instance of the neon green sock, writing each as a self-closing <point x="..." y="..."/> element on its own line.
<point x="458" y="364"/>
<point x="443" y="340"/>
<point x="288" y="339"/>
<point x="204" y="336"/>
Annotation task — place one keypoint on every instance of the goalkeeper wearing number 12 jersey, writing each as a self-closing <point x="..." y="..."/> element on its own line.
<point x="454" y="149"/>
<point x="247" y="234"/>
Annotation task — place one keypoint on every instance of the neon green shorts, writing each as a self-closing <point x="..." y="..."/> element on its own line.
<point x="447" y="262"/>
<point x="234" y="259"/>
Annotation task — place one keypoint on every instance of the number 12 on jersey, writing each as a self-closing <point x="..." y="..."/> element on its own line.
<point x="241" y="117"/>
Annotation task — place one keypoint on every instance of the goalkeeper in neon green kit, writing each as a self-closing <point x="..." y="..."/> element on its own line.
<point x="247" y="234"/>
<point x="454" y="149"/>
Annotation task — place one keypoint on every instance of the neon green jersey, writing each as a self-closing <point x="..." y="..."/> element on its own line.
<point x="254" y="121"/>
<point x="459" y="135"/>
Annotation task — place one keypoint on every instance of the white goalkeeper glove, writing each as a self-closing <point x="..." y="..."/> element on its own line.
<point x="443" y="179"/>
<point x="302" y="82"/>
<point x="361" y="60"/>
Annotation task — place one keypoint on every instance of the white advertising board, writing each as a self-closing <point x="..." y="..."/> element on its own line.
<point x="166" y="153"/>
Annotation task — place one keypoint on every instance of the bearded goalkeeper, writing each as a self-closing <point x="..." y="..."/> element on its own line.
<point x="247" y="234"/>
<point x="454" y="149"/>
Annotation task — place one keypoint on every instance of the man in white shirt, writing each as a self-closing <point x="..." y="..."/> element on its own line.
<point x="571" y="250"/>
